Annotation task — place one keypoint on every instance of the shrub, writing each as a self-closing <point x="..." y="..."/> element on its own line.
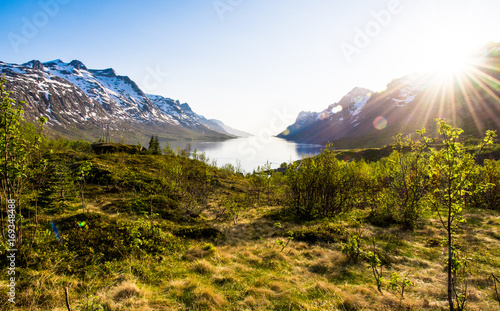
<point x="401" y="200"/>
<point x="328" y="233"/>
<point x="198" y="232"/>
<point x="97" y="238"/>
<point x="352" y="249"/>
<point x="490" y="198"/>
<point x="322" y="186"/>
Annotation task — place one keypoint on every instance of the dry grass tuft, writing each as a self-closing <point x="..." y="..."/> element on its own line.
<point x="260" y="292"/>
<point x="223" y="276"/>
<point x="126" y="290"/>
<point x="277" y="287"/>
<point x="178" y="288"/>
<point x="203" y="267"/>
<point x="322" y="266"/>
<point x="256" y="303"/>
<point x="325" y="288"/>
<point x="352" y="302"/>
<point x="198" y="252"/>
<point x="300" y="246"/>
<point x="208" y="299"/>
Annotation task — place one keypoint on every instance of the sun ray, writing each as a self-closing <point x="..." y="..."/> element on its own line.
<point x="485" y="87"/>
<point x="464" y="91"/>
<point x="484" y="75"/>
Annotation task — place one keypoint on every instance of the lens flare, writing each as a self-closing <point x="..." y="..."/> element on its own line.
<point x="380" y="123"/>
<point x="56" y="231"/>
<point x="337" y="108"/>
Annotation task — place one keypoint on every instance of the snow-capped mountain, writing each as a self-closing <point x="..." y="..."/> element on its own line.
<point x="362" y="118"/>
<point x="77" y="102"/>
<point x="336" y="118"/>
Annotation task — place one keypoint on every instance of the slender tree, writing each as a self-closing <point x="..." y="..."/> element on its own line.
<point x="451" y="172"/>
<point x="83" y="172"/>
<point x="13" y="156"/>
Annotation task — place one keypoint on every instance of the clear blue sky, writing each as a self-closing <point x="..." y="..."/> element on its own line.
<point x="249" y="63"/>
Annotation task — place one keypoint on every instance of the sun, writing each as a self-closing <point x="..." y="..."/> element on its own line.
<point x="458" y="77"/>
<point x="449" y="41"/>
<point x="448" y="59"/>
<point x="451" y="62"/>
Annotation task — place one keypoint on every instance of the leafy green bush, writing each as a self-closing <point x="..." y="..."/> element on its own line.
<point x="97" y="238"/>
<point x="406" y="182"/>
<point x="322" y="186"/>
<point x="490" y="197"/>
<point x="352" y="248"/>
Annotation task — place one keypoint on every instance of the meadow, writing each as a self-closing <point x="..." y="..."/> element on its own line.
<point x="344" y="230"/>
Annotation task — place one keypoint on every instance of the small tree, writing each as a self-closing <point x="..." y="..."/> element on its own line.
<point x="168" y="150"/>
<point x="154" y="145"/>
<point x="13" y="156"/>
<point x="451" y="171"/>
<point x="352" y="248"/>
<point x="397" y="285"/>
<point x="83" y="173"/>
<point x="377" y="267"/>
<point x="408" y="184"/>
<point x="38" y="168"/>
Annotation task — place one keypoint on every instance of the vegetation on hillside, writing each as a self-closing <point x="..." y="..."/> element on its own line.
<point x="414" y="226"/>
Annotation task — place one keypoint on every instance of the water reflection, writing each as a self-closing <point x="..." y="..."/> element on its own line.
<point x="250" y="152"/>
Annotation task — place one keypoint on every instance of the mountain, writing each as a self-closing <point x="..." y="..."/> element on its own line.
<point x="230" y="130"/>
<point x="335" y="121"/>
<point x="79" y="102"/>
<point x="363" y="118"/>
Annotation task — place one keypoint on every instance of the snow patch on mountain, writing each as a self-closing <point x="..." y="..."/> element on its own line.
<point x="96" y="96"/>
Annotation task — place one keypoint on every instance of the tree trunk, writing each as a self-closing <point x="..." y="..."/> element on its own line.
<point x="450" y="258"/>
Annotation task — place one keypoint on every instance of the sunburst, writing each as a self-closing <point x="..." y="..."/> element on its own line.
<point x="460" y="79"/>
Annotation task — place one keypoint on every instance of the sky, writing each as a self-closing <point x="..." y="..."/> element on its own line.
<point x="252" y="64"/>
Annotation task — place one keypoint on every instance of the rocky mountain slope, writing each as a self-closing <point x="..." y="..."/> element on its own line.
<point x="362" y="118"/>
<point x="80" y="102"/>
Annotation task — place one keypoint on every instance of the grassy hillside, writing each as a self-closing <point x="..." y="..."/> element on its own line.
<point x="169" y="232"/>
<point x="373" y="229"/>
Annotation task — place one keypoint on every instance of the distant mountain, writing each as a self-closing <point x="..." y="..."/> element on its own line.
<point x="230" y="130"/>
<point x="79" y="101"/>
<point x="363" y="118"/>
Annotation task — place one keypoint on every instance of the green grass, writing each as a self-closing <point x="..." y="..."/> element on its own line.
<point x="184" y="257"/>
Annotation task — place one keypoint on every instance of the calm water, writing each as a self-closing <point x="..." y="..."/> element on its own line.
<point x="251" y="152"/>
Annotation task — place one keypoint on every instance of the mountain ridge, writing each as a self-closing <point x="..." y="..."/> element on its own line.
<point x="470" y="100"/>
<point x="77" y="102"/>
